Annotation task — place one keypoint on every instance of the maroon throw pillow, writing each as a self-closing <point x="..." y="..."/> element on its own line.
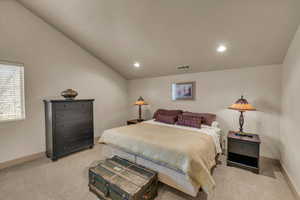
<point x="168" y="119"/>
<point x="207" y="118"/>
<point x="167" y="112"/>
<point x="190" y="121"/>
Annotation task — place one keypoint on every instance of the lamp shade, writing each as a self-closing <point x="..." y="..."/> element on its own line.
<point x="140" y="101"/>
<point x="242" y="105"/>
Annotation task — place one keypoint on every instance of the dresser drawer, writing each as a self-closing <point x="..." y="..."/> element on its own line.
<point x="71" y="133"/>
<point x="75" y="135"/>
<point x="74" y="121"/>
<point x="76" y="105"/>
<point x="243" y="148"/>
<point x="67" y="145"/>
<point x="73" y="113"/>
<point x="77" y="144"/>
<point x="69" y="140"/>
<point x="73" y="127"/>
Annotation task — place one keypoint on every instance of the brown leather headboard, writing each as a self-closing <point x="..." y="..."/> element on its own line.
<point x="208" y="118"/>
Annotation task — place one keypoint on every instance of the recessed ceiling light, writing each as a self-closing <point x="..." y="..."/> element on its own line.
<point x="137" y="64"/>
<point x="221" y="48"/>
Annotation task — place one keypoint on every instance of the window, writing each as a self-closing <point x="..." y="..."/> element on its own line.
<point x="12" y="104"/>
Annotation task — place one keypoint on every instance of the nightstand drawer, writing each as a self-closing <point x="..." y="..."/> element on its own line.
<point x="243" y="148"/>
<point x="134" y="121"/>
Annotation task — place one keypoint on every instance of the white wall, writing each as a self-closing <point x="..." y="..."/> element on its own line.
<point x="215" y="91"/>
<point x="290" y="121"/>
<point x="52" y="63"/>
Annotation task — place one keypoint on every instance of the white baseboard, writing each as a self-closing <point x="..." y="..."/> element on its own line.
<point x="21" y="160"/>
<point x="290" y="181"/>
<point x="28" y="158"/>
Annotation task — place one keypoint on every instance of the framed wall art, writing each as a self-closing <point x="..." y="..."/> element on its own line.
<point x="183" y="91"/>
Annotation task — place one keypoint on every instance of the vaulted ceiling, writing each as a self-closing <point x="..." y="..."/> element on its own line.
<point x="164" y="34"/>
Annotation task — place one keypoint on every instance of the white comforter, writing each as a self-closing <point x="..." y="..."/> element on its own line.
<point x="215" y="132"/>
<point x="189" y="150"/>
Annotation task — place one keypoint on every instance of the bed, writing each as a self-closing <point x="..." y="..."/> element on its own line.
<point x="182" y="156"/>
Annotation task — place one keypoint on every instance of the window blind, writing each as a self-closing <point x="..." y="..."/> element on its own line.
<point x="12" y="103"/>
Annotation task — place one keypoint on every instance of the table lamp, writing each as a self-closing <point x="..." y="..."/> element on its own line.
<point x="140" y="102"/>
<point x="241" y="105"/>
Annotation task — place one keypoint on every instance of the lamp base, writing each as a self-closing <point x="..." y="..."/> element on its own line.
<point x="242" y="134"/>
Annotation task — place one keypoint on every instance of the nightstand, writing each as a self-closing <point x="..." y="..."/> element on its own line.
<point x="134" y="121"/>
<point x="243" y="151"/>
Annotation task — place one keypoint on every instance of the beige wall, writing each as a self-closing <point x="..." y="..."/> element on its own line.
<point x="215" y="91"/>
<point x="290" y="121"/>
<point x="52" y="64"/>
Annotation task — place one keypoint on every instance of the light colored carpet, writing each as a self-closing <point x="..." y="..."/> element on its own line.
<point x="67" y="179"/>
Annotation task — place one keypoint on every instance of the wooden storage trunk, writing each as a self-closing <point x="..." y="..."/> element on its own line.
<point x="120" y="179"/>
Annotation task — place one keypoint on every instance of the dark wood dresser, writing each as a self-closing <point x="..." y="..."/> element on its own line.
<point x="69" y="126"/>
<point x="243" y="151"/>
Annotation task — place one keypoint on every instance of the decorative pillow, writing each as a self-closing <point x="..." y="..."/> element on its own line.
<point x="191" y="121"/>
<point x="167" y="112"/>
<point x="168" y="119"/>
<point x="207" y="118"/>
